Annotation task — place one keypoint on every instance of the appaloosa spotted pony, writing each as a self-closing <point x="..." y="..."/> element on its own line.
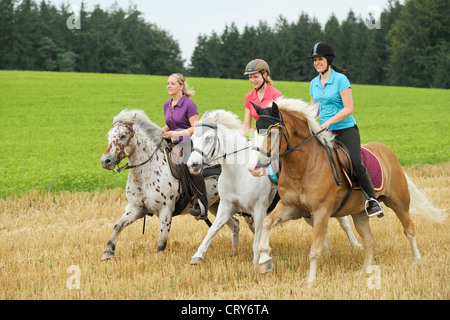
<point x="151" y="187"/>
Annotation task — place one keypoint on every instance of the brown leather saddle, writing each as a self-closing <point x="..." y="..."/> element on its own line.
<point x="344" y="160"/>
<point x="368" y="159"/>
<point x="181" y="173"/>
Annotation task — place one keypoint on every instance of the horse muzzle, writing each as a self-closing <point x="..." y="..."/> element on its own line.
<point x="109" y="161"/>
<point x="258" y="168"/>
<point x="195" y="168"/>
<point x="258" y="171"/>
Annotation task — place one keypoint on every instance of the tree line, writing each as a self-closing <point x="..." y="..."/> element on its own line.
<point x="407" y="45"/>
<point x="43" y="37"/>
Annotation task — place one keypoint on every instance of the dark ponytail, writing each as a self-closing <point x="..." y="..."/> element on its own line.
<point x="335" y="68"/>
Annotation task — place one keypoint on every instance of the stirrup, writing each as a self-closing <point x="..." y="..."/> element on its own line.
<point x="198" y="211"/>
<point x="195" y="212"/>
<point x="377" y="213"/>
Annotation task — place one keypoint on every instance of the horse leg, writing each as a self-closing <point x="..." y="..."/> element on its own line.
<point x="129" y="216"/>
<point x="401" y="209"/>
<point x="258" y="219"/>
<point x="361" y="221"/>
<point x="310" y="221"/>
<point x="232" y="223"/>
<point x="279" y="214"/>
<point x="165" y="222"/>
<point x="250" y="222"/>
<point x="224" y="213"/>
<point x="320" y="229"/>
<point x="345" y="225"/>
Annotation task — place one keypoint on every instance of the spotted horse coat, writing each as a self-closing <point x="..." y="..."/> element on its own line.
<point x="151" y="188"/>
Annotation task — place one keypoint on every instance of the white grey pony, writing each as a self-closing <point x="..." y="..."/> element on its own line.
<point x="216" y="138"/>
<point x="151" y="188"/>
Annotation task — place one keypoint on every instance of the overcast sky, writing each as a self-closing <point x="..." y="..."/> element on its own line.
<point x="186" y="19"/>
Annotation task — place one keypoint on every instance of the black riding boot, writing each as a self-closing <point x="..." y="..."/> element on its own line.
<point x="373" y="208"/>
<point x="200" y="208"/>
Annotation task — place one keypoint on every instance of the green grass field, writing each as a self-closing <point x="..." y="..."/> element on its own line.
<point x="54" y="125"/>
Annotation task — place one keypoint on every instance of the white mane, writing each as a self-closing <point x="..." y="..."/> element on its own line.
<point x="306" y="112"/>
<point x="223" y="117"/>
<point x="139" y="119"/>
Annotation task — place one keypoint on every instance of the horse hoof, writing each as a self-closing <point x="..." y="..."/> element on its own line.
<point x="107" y="255"/>
<point x="266" y="266"/>
<point x="162" y="254"/>
<point x="196" y="260"/>
<point x="311" y="284"/>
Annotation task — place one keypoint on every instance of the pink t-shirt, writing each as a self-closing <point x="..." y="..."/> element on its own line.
<point x="270" y="95"/>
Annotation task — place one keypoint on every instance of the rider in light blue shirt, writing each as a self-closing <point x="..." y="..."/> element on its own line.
<point x="332" y="91"/>
<point x="329" y="100"/>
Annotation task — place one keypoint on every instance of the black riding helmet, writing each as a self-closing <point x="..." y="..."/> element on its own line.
<point x="323" y="49"/>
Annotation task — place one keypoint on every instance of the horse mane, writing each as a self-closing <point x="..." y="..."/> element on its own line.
<point x="139" y="119"/>
<point x="222" y="117"/>
<point x="306" y="112"/>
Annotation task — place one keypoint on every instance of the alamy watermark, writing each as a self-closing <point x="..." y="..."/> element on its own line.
<point x="74" y="21"/>
<point x="374" y="280"/>
<point x="374" y="20"/>
<point x="74" y="281"/>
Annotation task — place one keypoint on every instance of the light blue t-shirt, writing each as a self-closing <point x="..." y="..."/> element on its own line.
<point x="329" y="99"/>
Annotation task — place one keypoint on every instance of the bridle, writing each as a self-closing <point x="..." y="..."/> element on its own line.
<point x="207" y="156"/>
<point x="282" y="127"/>
<point x="132" y="133"/>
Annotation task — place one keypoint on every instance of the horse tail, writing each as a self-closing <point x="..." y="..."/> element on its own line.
<point x="422" y="206"/>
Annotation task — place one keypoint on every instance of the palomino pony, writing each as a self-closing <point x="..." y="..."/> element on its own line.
<point x="216" y="138"/>
<point x="307" y="187"/>
<point x="151" y="187"/>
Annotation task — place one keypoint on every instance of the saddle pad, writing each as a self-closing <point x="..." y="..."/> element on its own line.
<point x="373" y="166"/>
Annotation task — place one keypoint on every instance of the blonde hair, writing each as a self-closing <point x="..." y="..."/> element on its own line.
<point x="188" y="91"/>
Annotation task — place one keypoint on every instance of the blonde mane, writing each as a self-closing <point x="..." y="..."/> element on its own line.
<point x="308" y="113"/>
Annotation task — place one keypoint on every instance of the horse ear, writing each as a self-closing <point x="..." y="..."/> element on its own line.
<point x="257" y="108"/>
<point x="275" y="110"/>
<point x="133" y="119"/>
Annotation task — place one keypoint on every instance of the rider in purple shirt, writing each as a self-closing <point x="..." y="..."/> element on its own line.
<point x="177" y="118"/>
<point x="181" y="116"/>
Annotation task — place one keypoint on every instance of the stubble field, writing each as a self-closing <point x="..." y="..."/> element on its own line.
<point x="51" y="246"/>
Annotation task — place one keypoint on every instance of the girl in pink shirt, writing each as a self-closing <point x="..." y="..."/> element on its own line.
<point x="263" y="94"/>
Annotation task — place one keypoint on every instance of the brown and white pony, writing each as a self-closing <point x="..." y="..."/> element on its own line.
<point x="151" y="187"/>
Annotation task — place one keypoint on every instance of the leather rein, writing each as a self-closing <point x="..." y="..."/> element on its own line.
<point x="127" y="166"/>
<point x="207" y="156"/>
<point x="282" y="127"/>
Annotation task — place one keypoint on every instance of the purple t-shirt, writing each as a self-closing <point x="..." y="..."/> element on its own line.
<point x="178" y="118"/>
